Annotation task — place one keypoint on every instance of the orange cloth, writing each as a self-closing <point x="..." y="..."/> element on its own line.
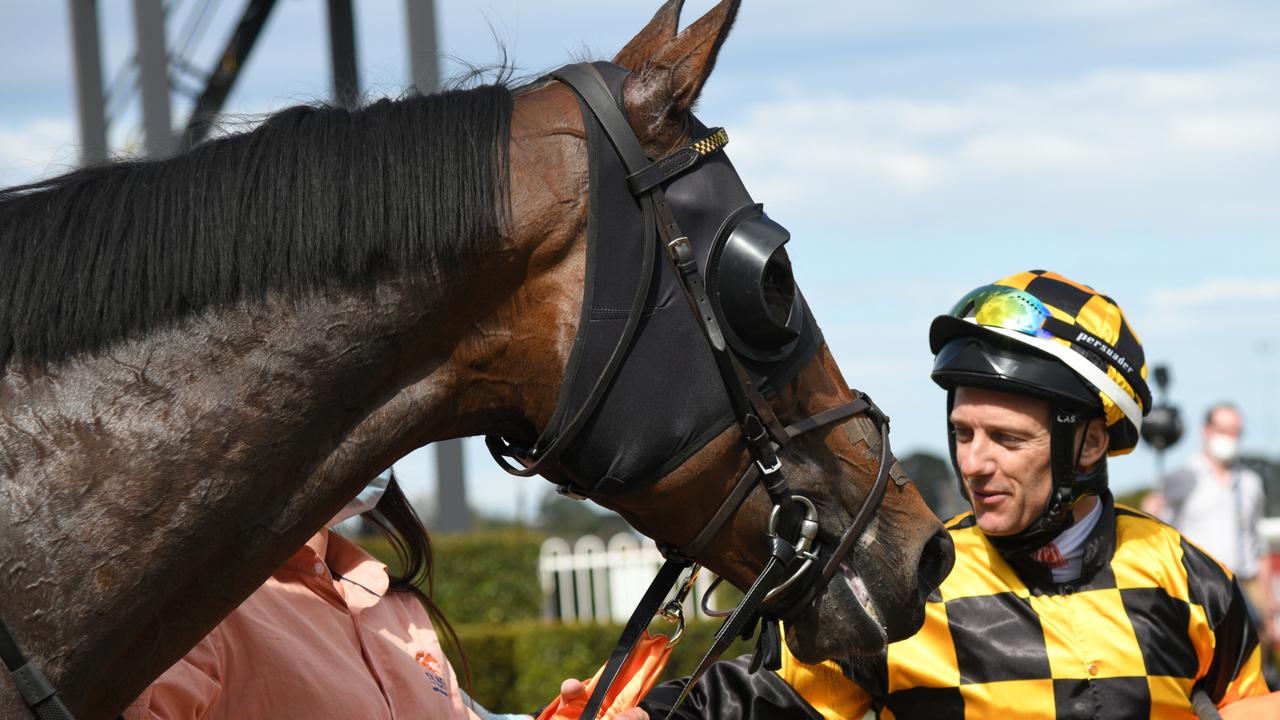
<point x="638" y="675"/>
<point x="320" y="639"/>
<point x="1261" y="706"/>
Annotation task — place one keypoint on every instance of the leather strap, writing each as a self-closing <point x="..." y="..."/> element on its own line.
<point x="10" y="652"/>
<point x="680" y="255"/>
<point x="649" y="604"/>
<point x="746" y="482"/>
<point x="586" y="80"/>
<point x="36" y="690"/>
<point x="676" y="163"/>
<point x="857" y="406"/>
<point x="774" y="572"/>
<point x="660" y="171"/>
<point x="865" y="513"/>
<point x="861" y="520"/>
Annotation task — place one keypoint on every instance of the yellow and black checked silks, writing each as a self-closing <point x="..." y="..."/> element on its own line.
<point x="1152" y="617"/>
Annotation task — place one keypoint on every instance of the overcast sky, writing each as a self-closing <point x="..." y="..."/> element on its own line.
<point x="915" y="149"/>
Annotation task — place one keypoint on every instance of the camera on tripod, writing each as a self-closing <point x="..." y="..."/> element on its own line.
<point x="1162" y="427"/>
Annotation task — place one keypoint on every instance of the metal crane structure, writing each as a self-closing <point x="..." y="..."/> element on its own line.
<point x="158" y="71"/>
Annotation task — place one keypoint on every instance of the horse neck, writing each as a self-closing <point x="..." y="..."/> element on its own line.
<point x="158" y="483"/>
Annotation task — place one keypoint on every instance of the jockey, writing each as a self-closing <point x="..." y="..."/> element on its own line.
<point x="1061" y="603"/>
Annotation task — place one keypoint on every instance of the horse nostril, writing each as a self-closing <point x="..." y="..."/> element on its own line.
<point x="935" y="562"/>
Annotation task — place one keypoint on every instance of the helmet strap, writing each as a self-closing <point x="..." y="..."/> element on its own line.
<point x="951" y="447"/>
<point x="1068" y="486"/>
<point x="1057" y="514"/>
<point x="1089" y="482"/>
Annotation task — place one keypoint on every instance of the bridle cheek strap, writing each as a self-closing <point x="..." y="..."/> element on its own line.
<point x="860" y="521"/>
<point x="768" y="651"/>
<point x="747" y="480"/>
<point x="783" y="554"/>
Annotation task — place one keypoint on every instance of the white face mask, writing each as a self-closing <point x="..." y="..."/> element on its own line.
<point x="1223" y="448"/>
<point x="366" y="500"/>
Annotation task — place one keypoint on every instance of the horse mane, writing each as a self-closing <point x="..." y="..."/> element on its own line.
<point x="313" y="197"/>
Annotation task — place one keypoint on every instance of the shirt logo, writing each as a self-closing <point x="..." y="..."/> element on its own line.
<point x="434" y="671"/>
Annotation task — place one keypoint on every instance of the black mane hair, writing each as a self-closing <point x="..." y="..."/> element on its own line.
<point x="314" y="196"/>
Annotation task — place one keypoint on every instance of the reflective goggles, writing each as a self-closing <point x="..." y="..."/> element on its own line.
<point x="1011" y="309"/>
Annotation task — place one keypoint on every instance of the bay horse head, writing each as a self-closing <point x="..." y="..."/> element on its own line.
<point x="205" y="357"/>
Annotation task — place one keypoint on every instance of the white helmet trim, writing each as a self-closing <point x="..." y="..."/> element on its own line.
<point x="1081" y="366"/>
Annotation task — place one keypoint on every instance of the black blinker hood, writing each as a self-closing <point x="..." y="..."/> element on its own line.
<point x="665" y="398"/>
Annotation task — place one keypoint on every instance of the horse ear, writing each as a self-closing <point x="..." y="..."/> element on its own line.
<point x="667" y="85"/>
<point x="660" y="30"/>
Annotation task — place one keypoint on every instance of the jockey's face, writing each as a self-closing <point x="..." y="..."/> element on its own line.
<point x="1002" y="449"/>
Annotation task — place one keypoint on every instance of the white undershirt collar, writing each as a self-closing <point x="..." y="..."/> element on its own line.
<point x="1065" y="555"/>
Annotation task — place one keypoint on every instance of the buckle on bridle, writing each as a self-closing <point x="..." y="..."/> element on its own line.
<point x="775" y="467"/>
<point x="680" y="249"/>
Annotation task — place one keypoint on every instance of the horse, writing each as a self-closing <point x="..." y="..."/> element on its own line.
<point x="204" y="357"/>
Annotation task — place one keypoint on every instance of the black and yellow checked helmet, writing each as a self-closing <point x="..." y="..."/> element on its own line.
<point x="1073" y="323"/>
<point x="1038" y="333"/>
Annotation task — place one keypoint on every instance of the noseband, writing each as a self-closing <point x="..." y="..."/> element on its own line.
<point x="791" y="578"/>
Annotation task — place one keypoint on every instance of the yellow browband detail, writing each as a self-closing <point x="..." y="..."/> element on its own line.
<point x="709" y="144"/>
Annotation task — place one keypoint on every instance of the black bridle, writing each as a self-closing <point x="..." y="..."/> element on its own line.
<point x="790" y="563"/>
<point x="791" y="578"/>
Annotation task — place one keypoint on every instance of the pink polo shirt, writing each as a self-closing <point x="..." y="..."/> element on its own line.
<point x="322" y="638"/>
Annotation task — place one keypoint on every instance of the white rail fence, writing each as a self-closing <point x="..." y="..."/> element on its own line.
<point x="594" y="582"/>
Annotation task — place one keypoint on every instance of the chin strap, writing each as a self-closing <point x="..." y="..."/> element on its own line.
<point x="768" y="652"/>
<point x="1069" y="488"/>
<point x="1057" y="514"/>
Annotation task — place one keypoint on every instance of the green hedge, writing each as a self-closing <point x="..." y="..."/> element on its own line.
<point x="518" y="667"/>
<point x="483" y="577"/>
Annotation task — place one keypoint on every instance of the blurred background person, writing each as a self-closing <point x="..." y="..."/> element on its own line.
<point x="1218" y="503"/>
